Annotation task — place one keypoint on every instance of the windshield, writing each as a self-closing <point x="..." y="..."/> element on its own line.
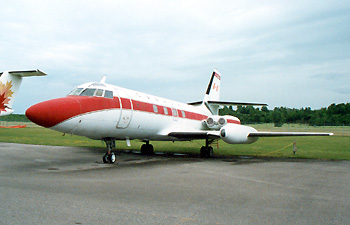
<point x="92" y="92"/>
<point x="88" y="92"/>
<point x="75" y="91"/>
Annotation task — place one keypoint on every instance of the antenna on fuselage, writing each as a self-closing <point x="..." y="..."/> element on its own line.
<point x="103" y="80"/>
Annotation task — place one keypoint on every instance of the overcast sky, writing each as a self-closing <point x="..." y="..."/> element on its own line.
<point x="283" y="53"/>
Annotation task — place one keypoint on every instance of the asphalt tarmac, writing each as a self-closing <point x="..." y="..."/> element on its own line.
<point x="70" y="185"/>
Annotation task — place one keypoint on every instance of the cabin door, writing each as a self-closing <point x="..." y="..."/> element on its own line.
<point x="126" y="109"/>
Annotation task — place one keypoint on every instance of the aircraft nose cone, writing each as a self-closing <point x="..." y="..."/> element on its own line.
<point x="53" y="112"/>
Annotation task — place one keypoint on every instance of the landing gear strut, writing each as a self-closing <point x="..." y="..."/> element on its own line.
<point x="109" y="157"/>
<point x="207" y="151"/>
<point x="147" y="149"/>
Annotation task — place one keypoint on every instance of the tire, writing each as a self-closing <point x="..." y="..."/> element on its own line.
<point x="203" y="152"/>
<point x="147" y="149"/>
<point x="210" y="152"/>
<point x="144" y="149"/>
<point x="111" y="158"/>
<point x="105" y="158"/>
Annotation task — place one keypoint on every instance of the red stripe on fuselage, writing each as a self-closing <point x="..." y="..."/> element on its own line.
<point x="55" y="111"/>
<point x="150" y="108"/>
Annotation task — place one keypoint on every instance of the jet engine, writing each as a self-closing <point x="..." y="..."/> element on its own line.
<point x="216" y="122"/>
<point x="237" y="134"/>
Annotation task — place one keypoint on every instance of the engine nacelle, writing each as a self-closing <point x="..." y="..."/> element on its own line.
<point x="216" y="122"/>
<point x="237" y="134"/>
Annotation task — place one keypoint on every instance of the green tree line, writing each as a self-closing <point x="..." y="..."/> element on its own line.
<point x="15" y="117"/>
<point x="333" y="115"/>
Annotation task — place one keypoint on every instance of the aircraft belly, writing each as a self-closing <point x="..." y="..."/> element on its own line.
<point x="155" y="127"/>
<point x="143" y="125"/>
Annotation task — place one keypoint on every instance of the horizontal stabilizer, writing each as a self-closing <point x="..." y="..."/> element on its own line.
<point x="226" y="103"/>
<point x="27" y="73"/>
<point x="284" y="134"/>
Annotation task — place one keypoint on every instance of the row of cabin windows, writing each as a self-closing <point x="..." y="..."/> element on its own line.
<point x="92" y="92"/>
<point x="109" y="94"/>
<point x="155" y="109"/>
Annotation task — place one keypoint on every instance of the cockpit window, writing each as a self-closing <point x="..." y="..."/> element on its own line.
<point x="75" y="91"/>
<point x="92" y="92"/>
<point x="88" y="92"/>
<point x="109" y="94"/>
<point x="99" y="93"/>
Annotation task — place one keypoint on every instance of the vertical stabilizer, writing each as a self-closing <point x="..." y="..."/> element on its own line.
<point x="213" y="92"/>
<point x="10" y="81"/>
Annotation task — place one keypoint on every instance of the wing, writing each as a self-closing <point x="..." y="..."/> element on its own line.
<point x="226" y="103"/>
<point x="283" y="134"/>
<point x="192" y="135"/>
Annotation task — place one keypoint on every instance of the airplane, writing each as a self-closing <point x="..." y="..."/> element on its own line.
<point x="10" y="81"/>
<point x="102" y="111"/>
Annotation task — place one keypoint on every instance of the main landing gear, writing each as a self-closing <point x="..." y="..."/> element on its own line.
<point x="147" y="149"/>
<point x="207" y="150"/>
<point x="109" y="157"/>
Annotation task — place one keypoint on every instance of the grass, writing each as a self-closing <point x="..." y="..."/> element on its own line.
<point x="336" y="147"/>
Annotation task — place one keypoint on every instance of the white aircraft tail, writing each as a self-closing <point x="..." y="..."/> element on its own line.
<point x="213" y="90"/>
<point x="211" y="95"/>
<point x="10" y="81"/>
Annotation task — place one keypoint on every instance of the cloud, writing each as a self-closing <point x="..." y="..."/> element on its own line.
<point x="273" y="47"/>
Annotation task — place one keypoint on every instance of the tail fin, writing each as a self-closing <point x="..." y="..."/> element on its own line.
<point x="213" y="90"/>
<point x="10" y="81"/>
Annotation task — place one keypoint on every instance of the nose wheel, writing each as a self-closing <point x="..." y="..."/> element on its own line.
<point x="109" y="157"/>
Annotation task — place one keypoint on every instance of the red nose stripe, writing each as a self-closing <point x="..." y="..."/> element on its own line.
<point x="53" y="112"/>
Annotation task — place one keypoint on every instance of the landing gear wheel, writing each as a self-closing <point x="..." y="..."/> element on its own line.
<point x="105" y="158"/>
<point x="203" y="152"/>
<point x="109" y="158"/>
<point x="210" y="152"/>
<point x="147" y="149"/>
<point x="206" y="152"/>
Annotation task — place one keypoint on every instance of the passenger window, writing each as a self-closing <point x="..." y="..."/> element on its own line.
<point x="155" y="108"/>
<point x="165" y="110"/>
<point x="75" y="91"/>
<point x="109" y="94"/>
<point x="183" y="114"/>
<point x="88" y="92"/>
<point x="99" y="92"/>
<point x="174" y="112"/>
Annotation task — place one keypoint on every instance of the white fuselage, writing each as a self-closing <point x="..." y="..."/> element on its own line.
<point x="128" y="115"/>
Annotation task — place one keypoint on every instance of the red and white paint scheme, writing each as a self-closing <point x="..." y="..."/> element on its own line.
<point x="10" y="81"/>
<point x="101" y="111"/>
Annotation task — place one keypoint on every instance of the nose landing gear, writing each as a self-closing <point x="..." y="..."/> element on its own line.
<point x="109" y="157"/>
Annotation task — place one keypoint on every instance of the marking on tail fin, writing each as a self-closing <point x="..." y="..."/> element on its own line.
<point x="210" y="83"/>
<point x="216" y="87"/>
<point x="217" y="75"/>
<point x="5" y="95"/>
